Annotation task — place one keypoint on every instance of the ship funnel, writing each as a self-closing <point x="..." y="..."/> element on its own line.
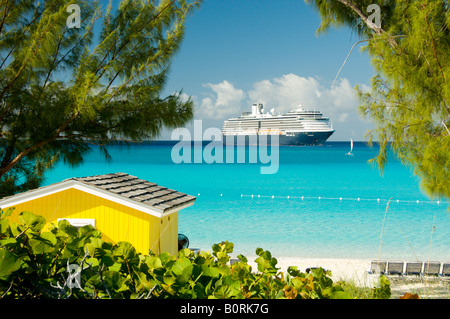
<point x="257" y="108"/>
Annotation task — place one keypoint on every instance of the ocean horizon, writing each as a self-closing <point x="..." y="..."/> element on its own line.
<point x="320" y="203"/>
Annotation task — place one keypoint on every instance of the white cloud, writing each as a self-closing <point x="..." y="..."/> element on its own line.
<point x="338" y="102"/>
<point x="285" y="93"/>
<point x="226" y="101"/>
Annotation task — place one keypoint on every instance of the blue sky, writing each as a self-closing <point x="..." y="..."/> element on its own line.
<point x="236" y="52"/>
<point x="246" y="41"/>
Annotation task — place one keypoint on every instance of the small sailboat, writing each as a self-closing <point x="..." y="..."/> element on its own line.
<point x="351" y="148"/>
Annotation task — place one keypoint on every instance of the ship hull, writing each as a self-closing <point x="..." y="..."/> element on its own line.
<point x="302" y="138"/>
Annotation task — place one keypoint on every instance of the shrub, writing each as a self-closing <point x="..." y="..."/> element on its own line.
<point x="66" y="262"/>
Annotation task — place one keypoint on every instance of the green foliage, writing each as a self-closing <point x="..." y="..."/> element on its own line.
<point x="384" y="290"/>
<point x="39" y="264"/>
<point x="381" y="291"/>
<point x="410" y="94"/>
<point x="64" y="89"/>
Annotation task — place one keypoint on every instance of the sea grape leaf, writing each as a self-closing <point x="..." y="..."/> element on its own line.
<point x="124" y="251"/>
<point x="92" y="262"/>
<point x="7" y="212"/>
<point x="35" y="222"/>
<point x="222" y="292"/>
<point x="4" y="225"/>
<point x="209" y="271"/>
<point x="153" y="262"/>
<point x="114" y="266"/>
<point x="8" y="242"/>
<point x="181" y="265"/>
<point x="293" y="271"/>
<point x="182" y="268"/>
<point x="116" y="281"/>
<point x="166" y="259"/>
<point x="88" y="231"/>
<point x="185" y="252"/>
<point x="44" y="243"/>
<point x="145" y="281"/>
<point x="9" y="263"/>
<point x="340" y="295"/>
<point x="228" y="246"/>
<point x="16" y="229"/>
<point x="267" y="265"/>
<point x="67" y="228"/>
<point x="94" y="247"/>
<point x="259" y="251"/>
<point x="242" y="258"/>
<point x="169" y="278"/>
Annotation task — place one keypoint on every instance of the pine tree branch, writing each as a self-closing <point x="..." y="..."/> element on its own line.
<point x="8" y="55"/>
<point x="351" y="5"/>
<point x="26" y="29"/>
<point x="126" y="83"/>
<point x="134" y="48"/>
<point x="127" y="60"/>
<point x="92" y="140"/>
<point x="37" y="40"/>
<point x="4" y="169"/>
<point x="5" y="13"/>
<point x="433" y="42"/>
<point x="36" y="16"/>
<point x="378" y="30"/>
<point x="54" y="64"/>
<point x="7" y="164"/>
<point x="9" y="149"/>
<point x="9" y="85"/>
<point x="348" y="55"/>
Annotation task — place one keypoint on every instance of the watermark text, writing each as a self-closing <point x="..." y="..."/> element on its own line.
<point x="262" y="149"/>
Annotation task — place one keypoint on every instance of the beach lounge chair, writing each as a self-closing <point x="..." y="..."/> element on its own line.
<point x="395" y="268"/>
<point x="378" y="267"/>
<point x="446" y="270"/>
<point x="432" y="268"/>
<point x="413" y="268"/>
<point x="233" y="260"/>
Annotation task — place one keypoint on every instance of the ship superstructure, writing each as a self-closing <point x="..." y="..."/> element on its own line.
<point x="297" y="127"/>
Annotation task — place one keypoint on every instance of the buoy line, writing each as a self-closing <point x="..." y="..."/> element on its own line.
<point x="344" y="198"/>
<point x="438" y="202"/>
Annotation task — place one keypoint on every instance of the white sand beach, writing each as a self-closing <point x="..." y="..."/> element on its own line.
<point x="354" y="270"/>
<point x="342" y="269"/>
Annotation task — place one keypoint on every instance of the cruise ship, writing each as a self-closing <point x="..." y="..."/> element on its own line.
<point x="297" y="127"/>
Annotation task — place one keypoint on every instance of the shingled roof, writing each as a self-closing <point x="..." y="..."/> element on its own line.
<point x="138" y="189"/>
<point x="121" y="187"/>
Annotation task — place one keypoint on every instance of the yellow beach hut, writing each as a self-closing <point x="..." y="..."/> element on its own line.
<point x="121" y="206"/>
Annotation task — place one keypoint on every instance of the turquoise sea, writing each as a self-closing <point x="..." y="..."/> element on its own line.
<point x="320" y="203"/>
